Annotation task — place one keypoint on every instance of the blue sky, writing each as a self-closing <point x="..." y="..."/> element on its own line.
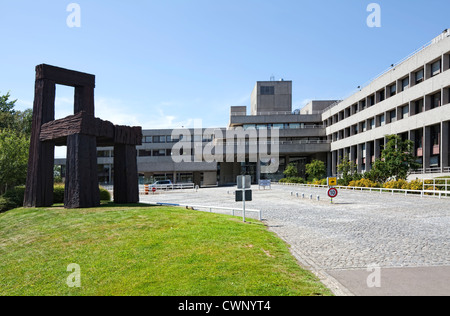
<point x="162" y="64"/>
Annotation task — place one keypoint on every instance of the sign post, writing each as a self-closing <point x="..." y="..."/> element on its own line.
<point x="332" y="191"/>
<point x="244" y="192"/>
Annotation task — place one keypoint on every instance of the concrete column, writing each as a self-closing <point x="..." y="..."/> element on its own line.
<point x="334" y="160"/>
<point x="426" y="147"/>
<point x="445" y="129"/>
<point x="369" y="156"/>
<point x="359" y="157"/>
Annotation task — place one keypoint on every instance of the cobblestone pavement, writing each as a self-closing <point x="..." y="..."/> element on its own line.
<point x="360" y="229"/>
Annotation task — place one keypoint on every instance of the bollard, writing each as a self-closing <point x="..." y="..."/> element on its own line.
<point x="296" y="194"/>
<point x="310" y="196"/>
<point x="318" y="198"/>
<point x="303" y="195"/>
<point x="292" y="193"/>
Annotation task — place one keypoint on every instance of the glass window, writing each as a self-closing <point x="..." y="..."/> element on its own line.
<point x="145" y="153"/>
<point x="249" y="126"/>
<point x="261" y="126"/>
<point x="168" y="139"/>
<point x="436" y="68"/>
<point x="278" y="126"/>
<point x="393" y="89"/>
<point x="419" y="76"/>
<point x="267" y="90"/>
<point x="405" y="83"/>
<point x="148" y="139"/>
<point x="294" y="125"/>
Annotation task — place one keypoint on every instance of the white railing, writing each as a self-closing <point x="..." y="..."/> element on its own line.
<point x="210" y="209"/>
<point x="147" y="188"/>
<point x="421" y="193"/>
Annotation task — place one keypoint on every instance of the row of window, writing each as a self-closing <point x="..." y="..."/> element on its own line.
<point x="169" y="139"/>
<point x="416" y="77"/>
<point x="415" y="107"/>
<point x="281" y="126"/>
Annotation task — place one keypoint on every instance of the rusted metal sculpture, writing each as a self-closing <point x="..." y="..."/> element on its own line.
<point x="81" y="133"/>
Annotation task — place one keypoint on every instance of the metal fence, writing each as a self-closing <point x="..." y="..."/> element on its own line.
<point x="435" y="192"/>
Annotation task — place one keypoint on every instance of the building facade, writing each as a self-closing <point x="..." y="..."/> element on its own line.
<point x="410" y="99"/>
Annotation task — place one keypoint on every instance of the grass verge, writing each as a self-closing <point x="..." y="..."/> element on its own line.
<point x="142" y="250"/>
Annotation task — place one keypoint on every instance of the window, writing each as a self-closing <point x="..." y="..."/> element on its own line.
<point x="159" y="153"/>
<point x="294" y="125"/>
<point x="278" y="126"/>
<point x="372" y="123"/>
<point x="405" y="111"/>
<point x="148" y="139"/>
<point x="145" y="153"/>
<point x="159" y="139"/>
<point x="418" y="106"/>
<point x="419" y="76"/>
<point x="436" y="68"/>
<point x="381" y="95"/>
<point x="393" y="89"/>
<point x="267" y="90"/>
<point x="436" y="100"/>
<point x="168" y="139"/>
<point x="249" y="126"/>
<point x="392" y="115"/>
<point x="405" y="83"/>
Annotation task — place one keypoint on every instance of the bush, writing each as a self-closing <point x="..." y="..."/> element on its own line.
<point x="6" y="204"/>
<point x="364" y="183"/>
<point x="58" y="193"/>
<point x="104" y="195"/>
<point x="397" y="184"/>
<point x="291" y="180"/>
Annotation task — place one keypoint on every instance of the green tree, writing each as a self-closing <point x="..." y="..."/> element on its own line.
<point x="316" y="169"/>
<point x="291" y="171"/>
<point x="398" y="157"/>
<point x="347" y="169"/>
<point x="13" y="159"/>
<point x="7" y="112"/>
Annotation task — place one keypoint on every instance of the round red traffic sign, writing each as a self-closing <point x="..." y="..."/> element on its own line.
<point x="153" y="189"/>
<point x="332" y="193"/>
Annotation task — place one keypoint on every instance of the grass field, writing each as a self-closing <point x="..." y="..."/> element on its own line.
<point x="142" y="250"/>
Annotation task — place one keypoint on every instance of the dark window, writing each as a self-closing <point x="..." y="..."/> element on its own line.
<point x="405" y="83"/>
<point x="419" y="76"/>
<point x="145" y="153"/>
<point x="393" y="89"/>
<point x="436" y="68"/>
<point x="436" y="100"/>
<point x="267" y="90"/>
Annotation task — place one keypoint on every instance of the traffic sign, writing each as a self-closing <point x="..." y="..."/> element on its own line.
<point x="153" y="189"/>
<point x="332" y="181"/>
<point x="332" y="193"/>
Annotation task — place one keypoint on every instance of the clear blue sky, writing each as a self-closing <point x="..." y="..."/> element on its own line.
<point x="162" y="64"/>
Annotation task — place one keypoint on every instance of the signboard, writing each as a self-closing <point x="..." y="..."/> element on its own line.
<point x="153" y="189"/>
<point x="244" y="182"/>
<point x="265" y="183"/>
<point x="240" y="196"/>
<point x="332" y="193"/>
<point x="332" y="182"/>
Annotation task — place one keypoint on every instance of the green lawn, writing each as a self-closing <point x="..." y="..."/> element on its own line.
<point x="142" y="250"/>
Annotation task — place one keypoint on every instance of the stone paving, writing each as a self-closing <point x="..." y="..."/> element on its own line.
<point x="358" y="230"/>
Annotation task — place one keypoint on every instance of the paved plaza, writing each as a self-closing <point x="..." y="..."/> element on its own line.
<point x="362" y="244"/>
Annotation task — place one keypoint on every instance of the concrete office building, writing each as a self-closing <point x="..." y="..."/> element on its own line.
<point x="410" y="99"/>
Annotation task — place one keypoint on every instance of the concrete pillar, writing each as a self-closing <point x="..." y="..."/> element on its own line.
<point x="426" y="147"/>
<point x="334" y="160"/>
<point x="369" y="156"/>
<point x="359" y="158"/>
<point x="445" y="129"/>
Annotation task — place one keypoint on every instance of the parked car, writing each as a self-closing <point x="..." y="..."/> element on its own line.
<point x="162" y="184"/>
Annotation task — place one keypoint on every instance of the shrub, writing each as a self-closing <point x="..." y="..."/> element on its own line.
<point x="6" y="204"/>
<point x="416" y="185"/>
<point x="58" y="193"/>
<point x="397" y="184"/>
<point x="364" y="183"/>
<point x="104" y="195"/>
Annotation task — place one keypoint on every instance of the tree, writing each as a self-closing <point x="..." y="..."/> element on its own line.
<point x="347" y="169"/>
<point x="13" y="159"/>
<point x="291" y="171"/>
<point x="399" y="158"/>
<point x="316" y="169"/>
<point x="15" y="132"/>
